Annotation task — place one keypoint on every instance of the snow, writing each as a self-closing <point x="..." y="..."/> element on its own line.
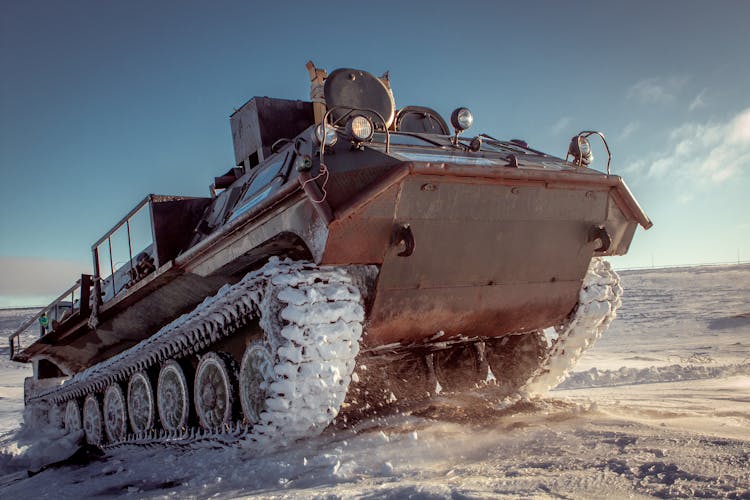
<point x="659" y="407"/>
<point x="598" y="301"/>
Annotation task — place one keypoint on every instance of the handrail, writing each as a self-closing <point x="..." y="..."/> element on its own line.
<point x="122" y="221"/>
<point x="20" y="330"/>
<point x="25" y="325"/>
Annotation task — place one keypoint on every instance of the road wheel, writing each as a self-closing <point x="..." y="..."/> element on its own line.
<point x="173" y="397"/>
<point x="92" y="420"/>
<point x="140" y="403"/>
<point x="215" y="388"/>
<point x="115" y="420"/>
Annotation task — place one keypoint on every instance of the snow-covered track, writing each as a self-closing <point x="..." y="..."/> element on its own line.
<point x="300" y="369"/>
<point x="193" y="436"/>
<point x="598" y="301"/>
<point x="312" y="318"/>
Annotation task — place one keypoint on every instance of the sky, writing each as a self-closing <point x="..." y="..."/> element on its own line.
<point x="103" y="102"/>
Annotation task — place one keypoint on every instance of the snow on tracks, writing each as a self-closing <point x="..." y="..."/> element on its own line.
<point x="598" y="300"/>
<point x="313" y="321"/>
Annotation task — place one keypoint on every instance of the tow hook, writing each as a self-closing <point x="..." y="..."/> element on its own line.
<point x="402" y="235"/>
<point x="599" y="235"/>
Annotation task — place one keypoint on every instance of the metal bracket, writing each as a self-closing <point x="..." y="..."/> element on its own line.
<point x="599" y="233"/>
<point x="402" y="235"/>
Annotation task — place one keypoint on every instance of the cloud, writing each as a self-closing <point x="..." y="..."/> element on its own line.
<point x="629" y="130"/>
<point x="561" y="125"/>
<point x="656" y="90"/>
<point x="698" y="102"/>
<point x="697" y="154"/>
<point x="26" y="279"/>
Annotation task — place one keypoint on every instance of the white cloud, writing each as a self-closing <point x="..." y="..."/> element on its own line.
<point x="636" y="167"/>
<point x="699" y="101"/>
<point x="656" y="90"/>
<point x="700" y="153"/>
<point x="685" y="198"/>
<point x="561" y="125"/>
<point x="629" y="130"/>
<point x="25" y="279"/>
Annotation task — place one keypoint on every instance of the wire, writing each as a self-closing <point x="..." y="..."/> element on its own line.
<point x="324" y="174"/>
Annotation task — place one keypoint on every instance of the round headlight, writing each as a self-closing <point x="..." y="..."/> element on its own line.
<point x="325" y="134"/>
<point x="584" y="146"/>
<point x="580" y="149"/>
<point x="360" y="128"/>
<point x="461" y="118"/>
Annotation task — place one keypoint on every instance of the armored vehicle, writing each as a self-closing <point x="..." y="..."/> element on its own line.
<point x="356" y="254"/>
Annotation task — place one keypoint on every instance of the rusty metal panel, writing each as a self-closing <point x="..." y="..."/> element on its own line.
<point x="359" y="240"/>
<point x="363" y="237"/>
<point x="489" y="259"/>
<point x="480" y="311"/>
<point x="620" y="229"/>
<point x="463" y="253"/>
<point x="472" y="199"/>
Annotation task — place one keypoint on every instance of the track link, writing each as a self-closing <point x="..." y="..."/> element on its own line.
<point x="312" y="318"/>
<point x="598" y="301"/>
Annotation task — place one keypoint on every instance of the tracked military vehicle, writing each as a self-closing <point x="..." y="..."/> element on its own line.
<point x="356" y="254"/>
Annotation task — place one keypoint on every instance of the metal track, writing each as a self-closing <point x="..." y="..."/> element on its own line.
<point x="313" y="320"/>
<point x="289" y="290"/>
<point x="598" y="301"/>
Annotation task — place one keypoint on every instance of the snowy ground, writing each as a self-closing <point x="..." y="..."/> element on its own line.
<point x="659" y="407"/>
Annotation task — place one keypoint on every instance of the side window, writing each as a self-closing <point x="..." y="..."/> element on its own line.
<point x="265" y="182"/>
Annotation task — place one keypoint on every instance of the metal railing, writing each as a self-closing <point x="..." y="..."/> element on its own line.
<point x="74" y="300"/>
<point x="116" y="277"/>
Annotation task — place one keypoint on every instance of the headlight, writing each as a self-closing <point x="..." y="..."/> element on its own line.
<point x="325" y="134"/>
<point x="580" y="149"/>
<point x="584" y="146"/>
<point x="461" y="118"/>
<point x="360" y="128"/>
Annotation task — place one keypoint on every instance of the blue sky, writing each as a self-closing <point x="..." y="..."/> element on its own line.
<point x="102" y="102"/>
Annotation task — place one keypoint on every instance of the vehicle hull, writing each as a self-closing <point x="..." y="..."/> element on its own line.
<point x="496" y="251"/>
